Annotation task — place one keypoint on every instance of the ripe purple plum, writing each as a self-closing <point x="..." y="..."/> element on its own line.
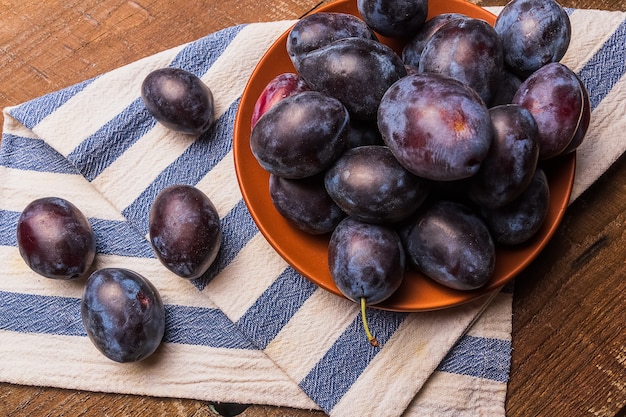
<point x="123" y="314"/>
<point x="356" y="71"/>
<point x="512" y="159"/>
<point x="367" y="263"/>
<point x="305" y="203"/>
<point x="437" y="127"/>
<point x="370" y="185"/>
<point x="468" y="50"/>
<point x="518" y="221"/>
<point x="185" y="230"/>
<point x="397" y="18"/>
<point x="412" y="50"/>
<point x="301" y="135"/>
<point x="534" y="33"/>
<point x="451" y="244"/>
<point x="320" y="29"/>
<point x="179" y="100"/>
<point x="554" y="97"/>
<point x="366" y="260"/>
<point x="280" y="87"/>
<point x="55" y="239"/>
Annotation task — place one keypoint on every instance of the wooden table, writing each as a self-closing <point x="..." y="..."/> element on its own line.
<point x="569" y="337"/>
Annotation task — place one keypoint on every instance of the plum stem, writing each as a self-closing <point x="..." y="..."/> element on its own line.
<point x="370" y="338"/>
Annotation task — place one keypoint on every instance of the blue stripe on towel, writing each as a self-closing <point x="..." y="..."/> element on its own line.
<point x="101" y="149"/>
<point x="200" y="55"/>
<point x="27" y="313"/>
<point x="344" y="362"/>
<point x="202" y="326"/>
<point x="8" y="225"/>
<point x="33" y="155"/>
<point x="606" y="67"/>
<point x="479" y="357"/>
<point x="34" y="111"/>
<point x="275" y="307"/>
<point x="115" y="237"/>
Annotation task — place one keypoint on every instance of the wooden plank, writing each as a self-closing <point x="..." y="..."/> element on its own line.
<point x="569" y="323"/>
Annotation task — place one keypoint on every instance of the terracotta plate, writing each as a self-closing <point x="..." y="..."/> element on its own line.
<point x="308" y="254"/>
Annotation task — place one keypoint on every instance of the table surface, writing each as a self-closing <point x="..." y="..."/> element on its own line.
<point x="569" y="340"/>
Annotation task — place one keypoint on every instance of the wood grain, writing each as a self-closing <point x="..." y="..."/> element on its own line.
<point x="569" y="333"/>
<point x="569" y="337"/>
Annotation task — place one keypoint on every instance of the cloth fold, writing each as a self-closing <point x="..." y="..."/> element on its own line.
<point x="252" y="330"/>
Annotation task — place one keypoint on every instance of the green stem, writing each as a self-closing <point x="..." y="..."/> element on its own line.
<point x="369" y="335"/>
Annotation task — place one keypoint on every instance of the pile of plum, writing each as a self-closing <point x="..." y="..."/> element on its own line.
<point x="428" y="157"/>
<point x="122" y="311"/>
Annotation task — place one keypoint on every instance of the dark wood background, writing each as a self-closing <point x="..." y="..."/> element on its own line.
<point x="569" y="339"/>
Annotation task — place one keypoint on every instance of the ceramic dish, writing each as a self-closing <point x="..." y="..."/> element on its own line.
<point x="308" y="254"/>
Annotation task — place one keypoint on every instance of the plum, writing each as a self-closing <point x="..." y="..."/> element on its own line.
<point x="367" y="263"/>
<point x="397" y="18"/>
<point x="123" y="314"/>
<point x="185" y="230"/>
<point x="55" y="239"/>
<point x="179" y="100"/>
<point x="305" y="203"/>
<point x="366" y="260"/>
<point x="282" y="86"/>
<point x="370" y="185"/>
<point x="512" y="159"/>
<point x="320" y="29"/>
<point x="301" y="135"/>
<point x="468" y="50"/>
<point x="356" y="71"/>
<point x="521" y="219"/>
<point x="451" y="244"/>
<point x="413" y="48"/>
<point x="437" y="127"/>
<point x="534" y="33"/>
<point x="554" y="96"/>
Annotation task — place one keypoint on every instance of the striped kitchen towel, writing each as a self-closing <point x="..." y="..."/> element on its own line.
<point x="252" y="330"/>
